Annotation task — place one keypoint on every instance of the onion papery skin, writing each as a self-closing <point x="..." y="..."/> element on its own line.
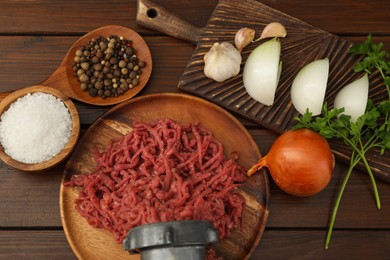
<point x="300" y="162"/>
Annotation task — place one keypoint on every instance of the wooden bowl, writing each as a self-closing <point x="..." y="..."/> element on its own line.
<point x="11" y="98"/>
<point x="89" y="242"/>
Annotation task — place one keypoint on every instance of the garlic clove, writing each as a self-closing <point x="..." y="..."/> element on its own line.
<point x="271" y="30"/>
<point x="243" y="37"/>
<point x="222" y="62"/>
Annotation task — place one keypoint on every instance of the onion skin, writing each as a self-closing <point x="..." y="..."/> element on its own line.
<point x="300" y="162"/>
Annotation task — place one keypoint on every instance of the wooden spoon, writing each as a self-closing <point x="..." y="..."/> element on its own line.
<point x="63" y="79"/>
<point x="11" y="98"/>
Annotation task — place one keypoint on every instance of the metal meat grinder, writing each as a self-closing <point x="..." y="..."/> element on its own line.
<point x="176" y="240"/>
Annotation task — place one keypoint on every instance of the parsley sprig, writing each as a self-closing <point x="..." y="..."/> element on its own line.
<point x="374" y="57"/>
<point x="371" y="130"/>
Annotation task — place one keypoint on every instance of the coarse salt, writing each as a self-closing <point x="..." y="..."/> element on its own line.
<point x="35" y="128"/>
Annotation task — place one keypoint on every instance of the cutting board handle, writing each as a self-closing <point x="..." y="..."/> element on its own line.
<point x="158" y="18"/>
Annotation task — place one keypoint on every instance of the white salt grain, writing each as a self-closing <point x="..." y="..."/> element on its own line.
<point x="35" y="128"/>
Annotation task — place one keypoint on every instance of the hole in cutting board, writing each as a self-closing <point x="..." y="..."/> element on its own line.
<point x="151" y="13"/>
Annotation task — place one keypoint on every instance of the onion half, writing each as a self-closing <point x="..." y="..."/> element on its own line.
<point x="308" y="87"/>
<point x="262" y="71"/>
<point x="353" y="98"/>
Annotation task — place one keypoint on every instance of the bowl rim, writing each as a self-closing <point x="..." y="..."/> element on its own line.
<point x="68" y="148"/>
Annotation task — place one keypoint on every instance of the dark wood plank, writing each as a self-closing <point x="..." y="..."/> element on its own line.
<point x="34" y="244"/>
<point x="275" y="244"/>
<point x="49" y="17"/>
<point x="28" y="60"/>
<point x="305" y="245"/>
<point x="29" y="199"/>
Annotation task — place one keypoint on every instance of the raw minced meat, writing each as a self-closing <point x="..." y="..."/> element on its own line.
<point x="162" y="172"/>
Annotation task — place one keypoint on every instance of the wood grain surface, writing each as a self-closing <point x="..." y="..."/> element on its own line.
<point x="36" y="35"/>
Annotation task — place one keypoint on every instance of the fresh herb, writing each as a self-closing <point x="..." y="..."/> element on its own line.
<point x="374" y="57"/>
<point x="371" y="130"/>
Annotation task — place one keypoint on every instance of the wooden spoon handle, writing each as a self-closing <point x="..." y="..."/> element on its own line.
<point x="158" y="18"/>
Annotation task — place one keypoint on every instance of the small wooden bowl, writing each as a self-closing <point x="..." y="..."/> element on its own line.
<point x="11" y="98"/>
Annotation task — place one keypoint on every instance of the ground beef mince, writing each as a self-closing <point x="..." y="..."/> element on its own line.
<point x="159" y="172"/>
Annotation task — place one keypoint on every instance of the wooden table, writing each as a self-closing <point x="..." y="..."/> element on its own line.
<point x="34" y="37"/>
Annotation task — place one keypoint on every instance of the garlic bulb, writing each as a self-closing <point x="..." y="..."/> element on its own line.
<point x="222" y="62"/>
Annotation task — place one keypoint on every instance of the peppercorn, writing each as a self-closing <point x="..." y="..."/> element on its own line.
<point x="106" y="70"/>
<point x="80" y="72"/>
<point x="93" y="92"/>
<point x="85" y="66"/>
<point x="124" y="71"/>
<point x="122" y="64"/>
<point x="117" y="73"/>
<point x="107" y="93"/>
<point x="95" y="59"/>
<point x="133" y="75"/>
<point x="99" y="54"/>
<point x="84" y="78"/>
<point x="135" y="82"/>
<point x="98" y="67"/>
<point x="123" y="85"/>
<point x="79" y="53"/>
<point x="107" y="82"/>
<point x="98" y="85"/>
<point x="107" y="67"/>
<point x="129" y="51"/>
<point x="113" y="60"/>
<point x="142" y="64"/>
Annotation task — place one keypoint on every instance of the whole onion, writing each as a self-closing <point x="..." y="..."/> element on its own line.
<point x="299" y="161"/>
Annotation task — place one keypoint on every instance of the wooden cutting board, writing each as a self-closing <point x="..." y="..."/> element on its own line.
<point x="304" y="43"/>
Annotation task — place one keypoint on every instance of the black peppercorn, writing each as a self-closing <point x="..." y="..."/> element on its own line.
<point x="107" y="67"/>
<point x="93" y="92"/>
<point x="142" y="64"/>
<point x="135" y="82"/>
<point x="107" y="93"/>
<point x="95" y="59"/>
<point x="113" y="60"/>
